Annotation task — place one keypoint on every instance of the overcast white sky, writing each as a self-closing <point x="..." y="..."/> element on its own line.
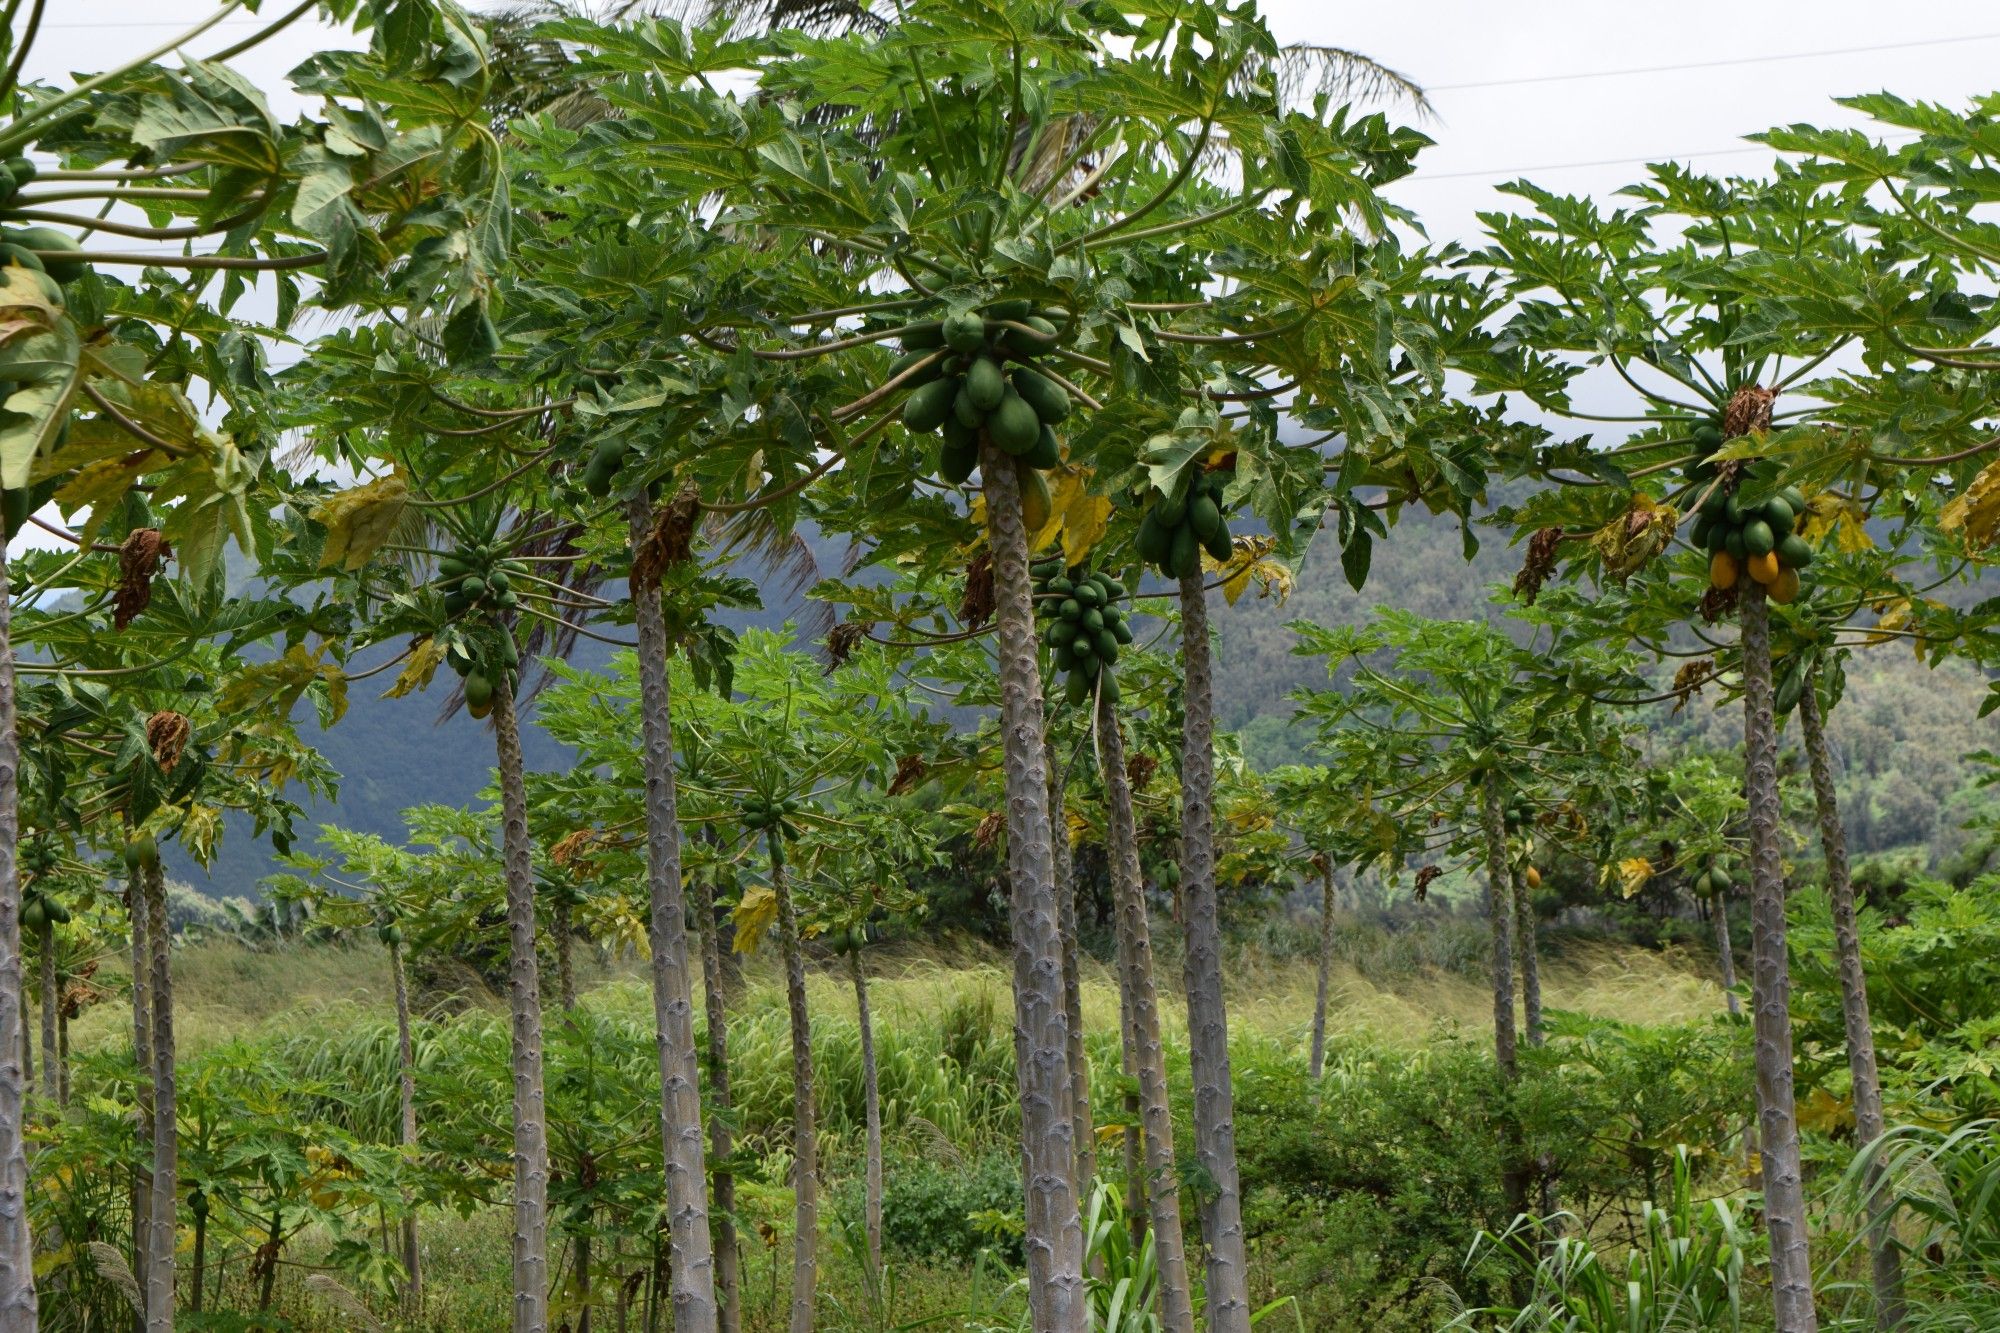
<point x="1574" y="94"/>
<point x="1548" y="90"/>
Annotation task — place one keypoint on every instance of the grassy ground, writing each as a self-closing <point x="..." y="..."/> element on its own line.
<point x="924" y="1003"/>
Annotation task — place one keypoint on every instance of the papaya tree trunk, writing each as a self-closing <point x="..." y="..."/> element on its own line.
<point x="1500" y="918"/>
<point x="406" y="1078"/>
<point x="721" y="1143"/>
<point x="524" y="1002"/>
<point x="161" y="1229"/>
<point x="560" y="928"/>
<point x="1054" y="1229"/>
<point x="1868" y="1117"/>
<point x="1135" y="1172"/>
<point x="1072" y="960"/>
<point x="1317" y="1062"/>
<point x="1770" y="999"/>
<point x="1208" y="1019"/>
<point x="62" y="1050"/>
<point x="17" y="1258"/>
<point x="1135" y="950"/>
<point x="871" y="1101"/>
<point x="138" y="914"/>
<point x="691" y="1257"/>
<point x="1526" y="946"/>
<point x="1725" y="952"/>
<point x="805" y="1107"/>
<point x="51" y="1002"/>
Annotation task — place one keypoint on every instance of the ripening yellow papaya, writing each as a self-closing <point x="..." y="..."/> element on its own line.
<point x="1533" y="877"/>
<point x="1722" y="570"/>
<point x="1764" y="568"/>
<point x="1785" y="588"/>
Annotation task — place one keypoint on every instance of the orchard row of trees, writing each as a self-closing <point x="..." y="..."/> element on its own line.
<point x="619" y="323"/>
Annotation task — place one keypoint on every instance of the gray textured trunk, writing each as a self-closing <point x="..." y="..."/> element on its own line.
<point x="1868" y="1118"/>
<point x="52" y="1079"/>
<point x="1500" y="918"/>
<point x="560" y="931"/>
<point x="1054" y="1229"/>
<point x="1725" y="952"/>
<point x="160" y="1226"/>
<point x="524" y="1003"/>
<point x="805" y="1106"/>
<point x="1129" y="1157"/>
<point x="1531" y="963"/>
<point x="17" y="1257"/>
<point x="691" y="1259"/>
<point x="721" y="1143"/>
<point x="1135" y="956"/>
<point x="406" y="1078"/>
<point x="1208" y="1018"/>
<point x="871" y="1101"/>
<point x="1316" y="1065"/>
<point x="1770" y="1007"/>
<point x="1081" y="1121"/>
<point x="142" y="1059"/>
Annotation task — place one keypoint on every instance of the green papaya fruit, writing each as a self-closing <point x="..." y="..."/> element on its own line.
<point x="145" y="849"/>
<point x="1186" y="560"/>
<point x="1051" y="568"/>
<point x="1732" y="542"/>
<point x="927" y="336"/>
<point x="22" y="169"/>
<point x="1047" y="452"/>
<point x="1057" y="634"/>
<point x="33" y="915"/>
<point x="1013" y="308"/>
<point x="964" y="410"/>
<point x="1172" y="509"/>
<point x="1061" y="586"/>
<point x="1732" y="511"/>
<point x="1014" y="425"/>
<point x="1107" y="646"/>
<point x="1065" y="656"/>
<point x="1757" y="537"/>
<point x="1203" y="517"/>
<point x="910" y="360"/>
<point x="1717" y="535"/>
<point x="965" y="333"/>
<point x="1779" y="515"/>
<point x="1038" y="336"/>
<point x="456" y="603"/>
<point x="15" y="507"/>
<point x="1036" y="501"/>
<point x="1218" y="544"/>
<point x="478" y="690"/>
<point x="49" y="239"/>
<point x="1707" y="437"/>
<point x="1107" y="683"/>
<point x="1796" y="498"/>
<point x="928" y="405"/>
<point x="1077" y="688"/>
<point x="1088" y="593"/>
<point x="957" y="459"/>
<point x="1092" y="619"/>
<point x="1070" y="609"/>
<point x="1122" y="630"/>
<point x="985" y="385"/>
<point x="1794" y="552"/>
<point x="1155" y="541"/>
<point x="1049" y="399"/>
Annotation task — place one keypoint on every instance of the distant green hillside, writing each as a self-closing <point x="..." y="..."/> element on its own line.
<point x="1900" y="734"/>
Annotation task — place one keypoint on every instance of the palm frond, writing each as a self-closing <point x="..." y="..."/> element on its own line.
<point x="1307" y="70"/>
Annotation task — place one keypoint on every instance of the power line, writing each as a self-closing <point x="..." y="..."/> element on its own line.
<point x="1613" y="162"/>
<point x="1712" y="64"/>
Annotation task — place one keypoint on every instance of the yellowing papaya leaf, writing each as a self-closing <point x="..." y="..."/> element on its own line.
<point x="359" y="520"/>
<point x="417" y="672"/>
<point x="1251" y="560"/>
<point x="1828" y="516"/>
<point x="1825" y="1113"/>
<point x="1627" y="542"/>
<point x="1633" y="872"/>
<point x="201" y="832"/>
<point x="755" y="913"/>
<point x="273" y="688"/>
<point x="1895" y="616"/>
<point x="1078" y="826"/>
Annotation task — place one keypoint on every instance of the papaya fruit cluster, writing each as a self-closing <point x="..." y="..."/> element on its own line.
<point x="479" y="578"/>
<point x="851" y="940"/>
<point x="141" y="853"/>
<point x="1178" y="527"/>
<point x="1759" y="541"/>
<point x="601" y="472"/>
<point x="764" y="814"/>
<point x="1711" y="879"/>
<point x="1085" y="626"/>
<point x="486" y="669"/>
<point x="38" y="908"/>
<point x="975" y="376"/>
<point x="389" y="933"/>
<point x="1791" y="684"/>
